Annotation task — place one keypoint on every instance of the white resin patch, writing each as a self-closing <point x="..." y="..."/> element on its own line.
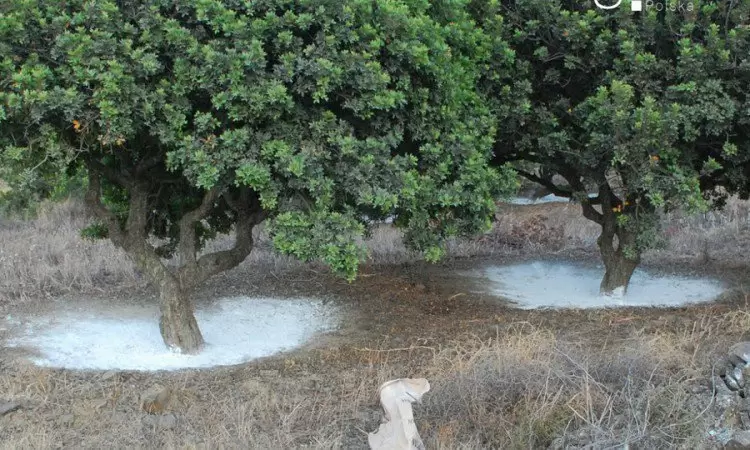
<point x="567" y="285"/>
<point x="236" y="330"/>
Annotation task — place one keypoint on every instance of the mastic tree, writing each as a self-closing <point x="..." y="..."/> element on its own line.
<point x="201" y="117"/>
<point x="631" y="109"/>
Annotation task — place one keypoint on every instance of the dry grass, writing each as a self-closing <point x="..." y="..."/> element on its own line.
<point x="47" y="257"/>
<point x="525" y="388"/>
<point x="528" y="388"/>
<point x="716" y="235"/>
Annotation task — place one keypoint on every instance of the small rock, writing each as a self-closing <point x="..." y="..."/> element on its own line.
<point x="8" y="407"/>
<point x="739" y="353"/>
<point x="161" y="422"/>
<point x="420" y="287"/>
<point x="721" y="388"/>
<point x="740" y="441"/>
<point x="156" y="399"/>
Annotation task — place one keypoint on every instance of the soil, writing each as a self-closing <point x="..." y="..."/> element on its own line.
<point x="403" y="313"/>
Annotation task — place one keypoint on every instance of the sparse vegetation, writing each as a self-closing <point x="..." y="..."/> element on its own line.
<point x="513" y="380"/>
<point x="523" y="388"/>
<point x="283" y="148"/>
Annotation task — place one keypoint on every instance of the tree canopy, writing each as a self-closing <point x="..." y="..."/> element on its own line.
<point x="633" y="110"/>
<point x="193" y="118"/>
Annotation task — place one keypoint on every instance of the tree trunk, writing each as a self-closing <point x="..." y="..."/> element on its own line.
<point x="617" y="274"/>
<point x="618" y="266"/>
<point x="177" y="323"/>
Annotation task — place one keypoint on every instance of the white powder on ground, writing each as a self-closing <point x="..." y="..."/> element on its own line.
<point x="551" y="198"/>
<point x="236" y="330"/>
<point x="568" y="285"/>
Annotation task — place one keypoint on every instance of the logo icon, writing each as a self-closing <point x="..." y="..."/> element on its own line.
<point x="600" y="6"/>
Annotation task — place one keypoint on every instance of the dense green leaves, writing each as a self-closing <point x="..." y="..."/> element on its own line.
<point x="328" y="111"/>
<point x="333" y="113"/>
<point x="645" y="105"/>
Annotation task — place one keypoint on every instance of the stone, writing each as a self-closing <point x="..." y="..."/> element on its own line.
<point x="739" y="353"/>
<point x="161" y="422"/>
<point x="740" y="441"/>
<point x="8" y="407"/>
<point x="735" y="364"/>
<point x="156" y="399"/>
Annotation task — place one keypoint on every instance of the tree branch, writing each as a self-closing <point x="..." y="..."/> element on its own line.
<point x="546" y="182"/>
<point x="94" y="202"/>
<point x="136" y="225"/>
<point x="587" y="203"/>
<point x="187" y="225"/>
<point x="249" y="215"/>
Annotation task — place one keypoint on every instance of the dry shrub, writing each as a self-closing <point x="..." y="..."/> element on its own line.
<point x="385" y="245"/>
<point x="541" y="227"/>
<point x="718" y="234"/>
<point x="531" y="232"/>
<point x="528" y="389"/>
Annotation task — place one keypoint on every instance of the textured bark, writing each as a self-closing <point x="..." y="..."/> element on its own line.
<point x="177" y="323"/>
<point x="612" y="242"/>
<point x="617" y="274"/>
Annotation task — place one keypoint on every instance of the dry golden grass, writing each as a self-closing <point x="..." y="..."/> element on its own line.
<point x="524" y="388"/>
<point x="48" y="257"/>
<point x="521" y="389"/>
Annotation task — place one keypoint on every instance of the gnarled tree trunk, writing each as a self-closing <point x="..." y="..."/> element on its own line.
<point x="618" y="250"/>
<point x="177" y="323"/>
<point x="618" y="271"/>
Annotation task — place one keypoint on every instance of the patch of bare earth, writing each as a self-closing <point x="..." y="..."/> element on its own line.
<point x="501" y="377"/>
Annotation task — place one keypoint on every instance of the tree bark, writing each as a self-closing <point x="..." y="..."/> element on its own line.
<point x="177" y="324"/>
<point x="618" y="271"/>
<point x="619" y="264"/>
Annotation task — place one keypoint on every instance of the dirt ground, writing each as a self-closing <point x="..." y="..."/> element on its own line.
<point x="399" y="322"/>
<point x="501" y="377"/>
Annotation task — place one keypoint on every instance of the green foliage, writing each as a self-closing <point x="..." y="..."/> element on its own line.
<point x="95" y="231"/>
<point x="326" y="110"/>
<point x="651" y="106"/>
